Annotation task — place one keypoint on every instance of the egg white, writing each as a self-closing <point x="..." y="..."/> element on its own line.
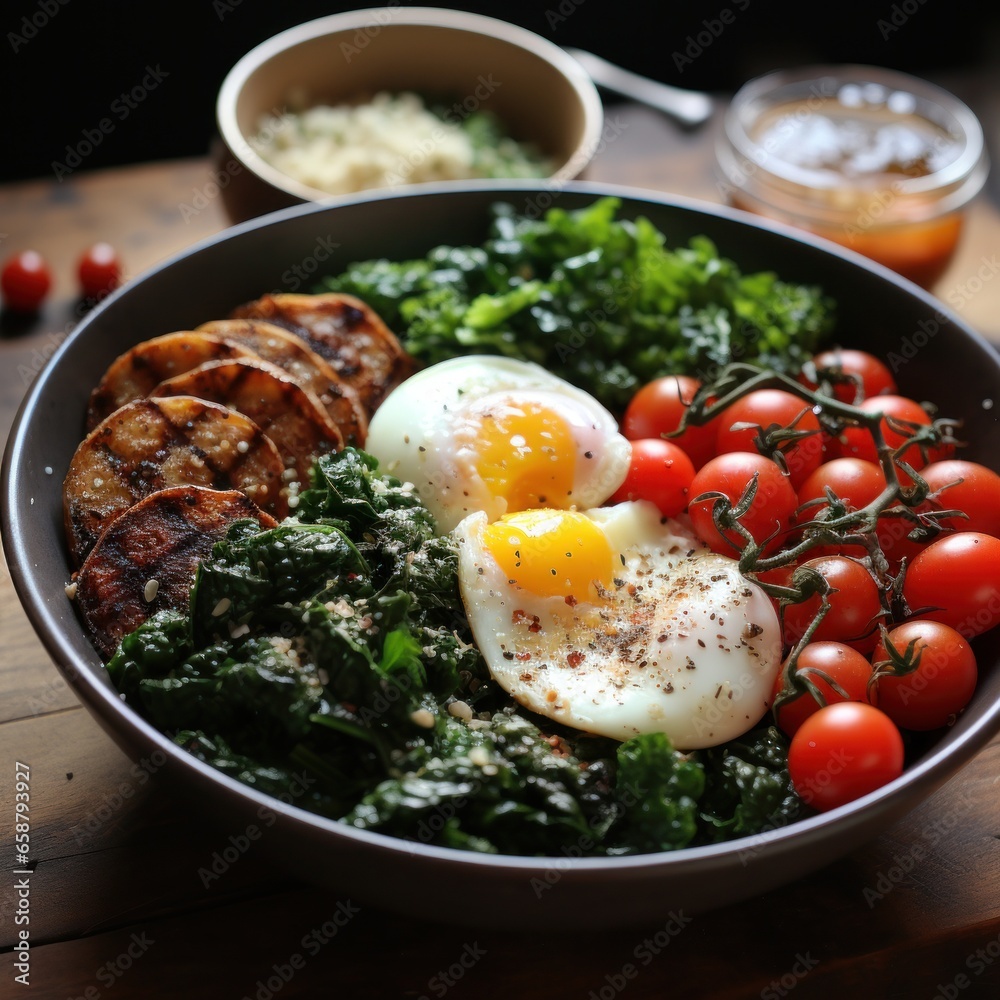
<point x="425" y="433"/>
<point x="681" y="643"/>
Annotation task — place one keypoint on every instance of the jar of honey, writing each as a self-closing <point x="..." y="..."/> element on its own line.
<point x="875" y="160"/>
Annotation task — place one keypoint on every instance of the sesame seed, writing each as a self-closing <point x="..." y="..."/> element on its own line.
<point x="149" y="591"/>
<point x="222" y="607"/>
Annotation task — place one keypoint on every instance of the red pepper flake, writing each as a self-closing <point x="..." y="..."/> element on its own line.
<point x="575" y="658"/>
<point x="522" y="656"/>
<point x="571" y="600"/>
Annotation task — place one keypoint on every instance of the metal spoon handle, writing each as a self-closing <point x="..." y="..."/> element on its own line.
<point x="688" y="106"/>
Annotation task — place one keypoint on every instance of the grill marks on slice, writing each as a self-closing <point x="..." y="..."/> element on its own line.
<point x="292" y="417"/>
<point x="290" y="352"/>
<point x="150" y="444"/>
<point x="134" y="374"/>
<point x="345" y="331"/>
<point x="146" y="559"/>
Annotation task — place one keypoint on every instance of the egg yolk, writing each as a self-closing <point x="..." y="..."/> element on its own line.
<point x="526" y="454"/>
<point x="552" y="553"/>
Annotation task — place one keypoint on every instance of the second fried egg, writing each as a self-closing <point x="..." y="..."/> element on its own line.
<point x="616" y="622"/>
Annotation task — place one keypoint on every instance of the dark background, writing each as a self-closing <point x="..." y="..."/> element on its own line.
<point x="62" y="79"/>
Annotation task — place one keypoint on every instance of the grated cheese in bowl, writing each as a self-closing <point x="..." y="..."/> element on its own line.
<point x="390" y="141"/>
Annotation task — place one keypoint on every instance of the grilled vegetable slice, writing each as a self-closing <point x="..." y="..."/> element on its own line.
<point x="345" y="331"/>
<point x="289" y="351"/>
<point x="146" y="559"/>
<point x="134" y="374"/>
<point x="149" y="444"/>
<point x="292" y="417"/>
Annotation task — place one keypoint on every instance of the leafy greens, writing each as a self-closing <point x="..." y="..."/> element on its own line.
<point x="598" y="299"/>
<point x="329" y="661"/>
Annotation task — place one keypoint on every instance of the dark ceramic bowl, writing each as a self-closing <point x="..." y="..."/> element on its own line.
<point x="878" y="311"/>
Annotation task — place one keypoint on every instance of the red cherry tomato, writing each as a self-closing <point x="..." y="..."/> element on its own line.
<point x="842" y="752"/>
<point x="845" y="666"/>
<point x="873" y="375"/>
<point x="99" y="271"/>
<point x="770" y="513"/>
<point x="969" y="487"/>
<point x="854" y="481"/>
<point x="767" y="408"/>
<point x="956" y="580"/>
<point x="657" y="409"/>
<point x="25" y="281"/>
<point x="941" y="686"/>
<point x="660" y="472"/>
<point x="855" y="606"/>
<point x="857" y="442"/>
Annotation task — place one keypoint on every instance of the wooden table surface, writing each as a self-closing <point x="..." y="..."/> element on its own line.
<point x="117" y="908"/>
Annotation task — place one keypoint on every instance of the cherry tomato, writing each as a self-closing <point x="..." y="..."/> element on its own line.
<point x="765" y="408"/>
<point x="845" y="666"/>
<point x="854" y="481"/>
<point x="940" y="687"/>
<point x="956" y="580"/>
<point x="25" y="281"/>
<point x="874" y="375"/>
<point x="660" y="472"/>
<point x="770" y="513"/>
<point x="657" y="408"/>
<point x="855" y="606"/>
<point x="969" y="487"/>
<point x="844" y="751"/>
<point x="857" y="442"/>
<point x="99" y="271"/>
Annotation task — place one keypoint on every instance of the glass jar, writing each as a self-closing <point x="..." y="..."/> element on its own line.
<point x="878" y="161"/>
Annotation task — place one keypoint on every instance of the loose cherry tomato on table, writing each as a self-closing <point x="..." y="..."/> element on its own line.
<point x="873" y="376"/>
<point x="940" y="687"/>
<point x="855" y="606"/>
<point x="99" y="271"/>
<point x="25" y="281"/>
<point x="659" y="471"/>
<point x="843" y="665"/>
<point x="768" y="516"/>
<point x="767" y="408"/>
<point x="842" y="752"/>
<point x="658" y="408"/>
<point x="956" y="580"/>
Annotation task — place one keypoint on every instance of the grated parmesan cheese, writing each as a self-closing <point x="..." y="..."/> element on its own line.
<point x="390" y="141"/>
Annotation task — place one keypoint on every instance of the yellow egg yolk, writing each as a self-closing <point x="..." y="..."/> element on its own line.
<point x="552" y="553"/>
<point x="526" y="455"/>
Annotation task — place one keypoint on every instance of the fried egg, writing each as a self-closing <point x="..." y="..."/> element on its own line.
<point x="617" y="622"/>
<point x="493" y="434"/>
